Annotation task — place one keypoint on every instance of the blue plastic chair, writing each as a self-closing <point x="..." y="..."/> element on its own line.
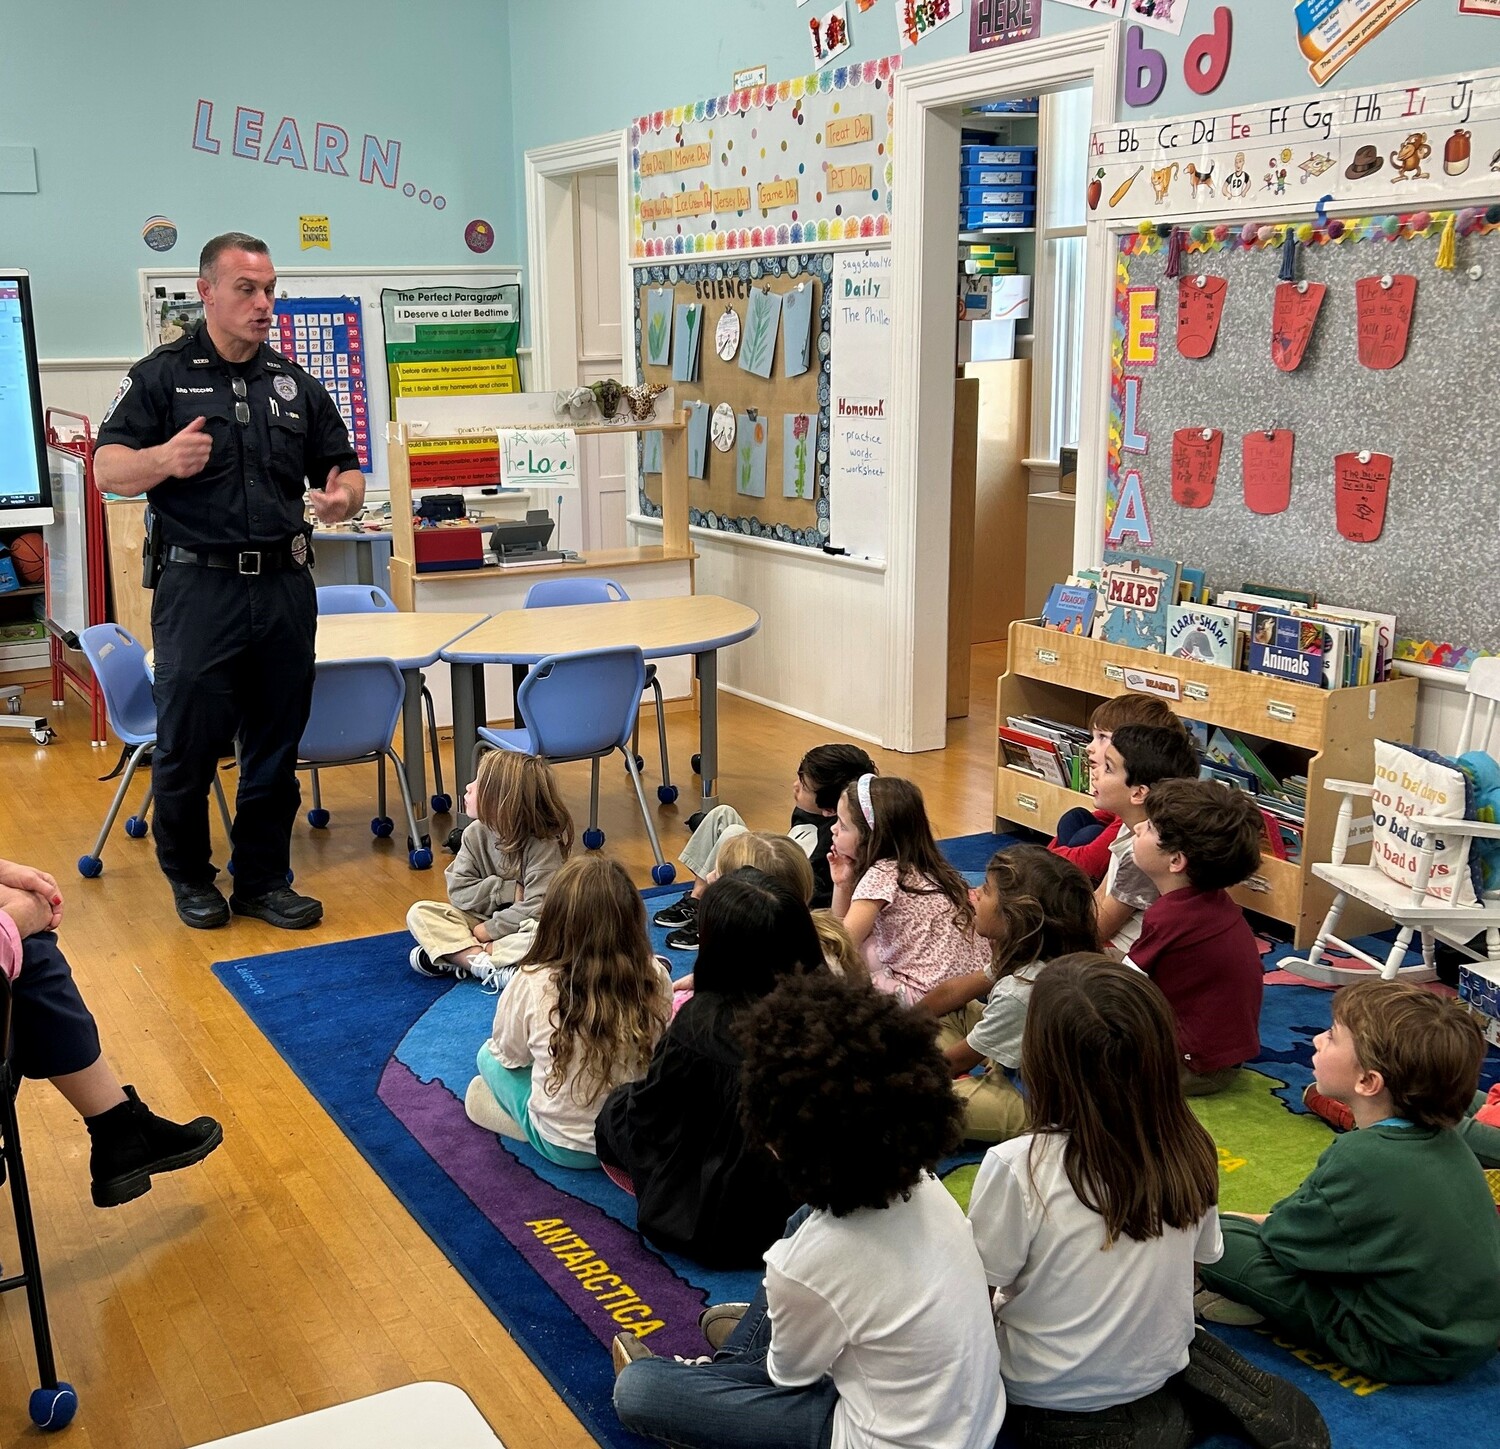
<point x="368" y="599"/>
<point x="119" y="664"/>
<point x="356" y="707"/>
<point x="582" y="707"/>
<point x="556" y="593"/>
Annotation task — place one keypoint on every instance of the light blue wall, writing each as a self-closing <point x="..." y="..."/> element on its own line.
<point x="614" y="59"/>
<point x="107" y="92"/>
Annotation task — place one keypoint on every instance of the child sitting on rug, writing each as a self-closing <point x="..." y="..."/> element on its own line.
<point x="822" y="776"/>
<point x="1033" y="907"/>
<point x="904" y="905"/>
<point x="1199" y="837"/>
<point x="520" y="834"/>
<point x="1134" y="760"/>
<point x="1084" y="836"/>
<point x="1389" y="1252"/>
<point x="781" y="858"/>
<point x="1089" y="1228"/>
<point x="702" y="1187"/>
<point x="872" y="1326"/>
<point x="582" y="1013"/>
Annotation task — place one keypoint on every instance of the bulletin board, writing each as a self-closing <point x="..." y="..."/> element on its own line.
<point x="794" y="162"/>
<point x="1436" y="413"/>
<point x="716" y="501"/>
<point x="362" y="283"/>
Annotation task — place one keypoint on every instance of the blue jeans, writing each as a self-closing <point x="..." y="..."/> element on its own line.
<point x="730" y="1403"/>
<point x="512" y="1089"/>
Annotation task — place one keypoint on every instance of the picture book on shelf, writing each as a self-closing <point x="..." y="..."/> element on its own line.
<point x="1204" y="634"/>
<point x="1192" y="588"/>
<point x="1137" y="590"/>
<point x="1288" y="648"/>
<point x="1070" y="609"/>
<point x="1032" y="755"/>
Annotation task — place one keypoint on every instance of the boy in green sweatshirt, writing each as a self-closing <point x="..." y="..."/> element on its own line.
<point x="1389" y="1252"/>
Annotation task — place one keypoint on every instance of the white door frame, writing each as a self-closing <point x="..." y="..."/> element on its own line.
<point x="925" y="143"/>
<point x="550" y="259"/>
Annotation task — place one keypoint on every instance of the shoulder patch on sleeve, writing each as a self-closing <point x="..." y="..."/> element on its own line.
<point x="118" y="399"/>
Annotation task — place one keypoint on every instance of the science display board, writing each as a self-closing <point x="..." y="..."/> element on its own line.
<point x="790" y="163"/>
<point x="1334" y="432"/>
<point x="745" y="345"/>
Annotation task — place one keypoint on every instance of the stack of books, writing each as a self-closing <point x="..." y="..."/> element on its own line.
<point x="1046" y="748"/>
<point x="1148" y="602"/>
<point x="1233" y="760"/>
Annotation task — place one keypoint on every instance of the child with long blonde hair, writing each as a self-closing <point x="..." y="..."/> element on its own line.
<point x="904" y="905"/>
<point x="581" y="1015"/>
<point x="520" y="834"/>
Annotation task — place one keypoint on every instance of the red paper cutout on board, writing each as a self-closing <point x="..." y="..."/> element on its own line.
<point x="1267" y="460"/>
<point x="1360" y="491"/>
<point x="1200" y="305"/>
<point x="1294" y="314"/>
<point x="1384" y="318"/>
<point x="1195" y="465"/>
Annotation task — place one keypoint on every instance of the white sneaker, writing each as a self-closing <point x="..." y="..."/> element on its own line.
<point x="493" y="978"/>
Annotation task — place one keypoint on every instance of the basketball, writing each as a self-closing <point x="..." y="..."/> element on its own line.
<point x="26" y="554"/>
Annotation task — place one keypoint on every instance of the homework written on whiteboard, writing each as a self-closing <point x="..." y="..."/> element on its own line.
<point x="859" y="403"/>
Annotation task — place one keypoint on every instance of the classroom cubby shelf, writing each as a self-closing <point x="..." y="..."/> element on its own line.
<point x="1063" y="677"/>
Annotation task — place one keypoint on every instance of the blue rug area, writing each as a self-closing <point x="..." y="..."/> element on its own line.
<point x="555" y="1253"/>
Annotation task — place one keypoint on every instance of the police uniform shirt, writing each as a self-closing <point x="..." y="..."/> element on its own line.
<point x="251" y="489"/>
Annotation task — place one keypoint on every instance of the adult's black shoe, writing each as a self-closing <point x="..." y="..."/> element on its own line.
<point x="200" y="906"/>
<point x="130" y="1143"/>
<point x="281" y="907"/>
<point x="1224" y="1389"/>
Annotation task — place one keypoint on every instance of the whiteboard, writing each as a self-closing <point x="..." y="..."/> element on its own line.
<point x="66" y="538"/>
<point x="363" y="283"/>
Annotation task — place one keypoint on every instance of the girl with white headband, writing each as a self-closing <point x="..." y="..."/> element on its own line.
<point x="904" y="905"/>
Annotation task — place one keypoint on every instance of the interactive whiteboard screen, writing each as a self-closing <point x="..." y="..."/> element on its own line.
<point x="25" y="490"/>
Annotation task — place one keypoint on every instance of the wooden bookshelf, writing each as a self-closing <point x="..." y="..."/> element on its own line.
<point x="1063" y="677"/>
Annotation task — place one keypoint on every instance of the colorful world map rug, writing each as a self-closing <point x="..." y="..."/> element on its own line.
<point x="555" y="1253"/>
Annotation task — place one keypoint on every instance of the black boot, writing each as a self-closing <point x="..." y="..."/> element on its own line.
<point x="130" y="1143"/>
<point x="1223" y="1389"/>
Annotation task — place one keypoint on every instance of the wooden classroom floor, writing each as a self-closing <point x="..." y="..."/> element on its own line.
<point x="281" y="1276"/>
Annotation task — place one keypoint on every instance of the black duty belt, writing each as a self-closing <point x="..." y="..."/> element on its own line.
<point x="269" y="558"/>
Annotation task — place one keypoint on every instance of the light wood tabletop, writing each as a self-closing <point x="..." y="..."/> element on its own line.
<point x="687" y="624"/>
<point x="411" y="640"/>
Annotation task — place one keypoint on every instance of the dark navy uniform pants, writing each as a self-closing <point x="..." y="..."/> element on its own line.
<point x="234" y="659"/>
<point x="52" y="1031"/>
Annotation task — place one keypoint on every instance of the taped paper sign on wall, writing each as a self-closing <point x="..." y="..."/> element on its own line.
<point x="539" y="458"/>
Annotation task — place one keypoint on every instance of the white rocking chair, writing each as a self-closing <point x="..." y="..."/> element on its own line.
<point x="1409" y="906"/>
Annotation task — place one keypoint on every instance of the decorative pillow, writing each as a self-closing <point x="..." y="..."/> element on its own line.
<point x="1484" y="782"/>
<point x="1412" y="782"/>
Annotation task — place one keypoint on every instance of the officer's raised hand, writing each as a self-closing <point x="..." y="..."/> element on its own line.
<point x="185" y="454"/>
<point x="337" y="499"/>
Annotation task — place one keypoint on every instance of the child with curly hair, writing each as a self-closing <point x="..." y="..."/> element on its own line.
<point x="582" y="1013"/>
<point x="872" y="1325"/>
<point x="519" y="834"/>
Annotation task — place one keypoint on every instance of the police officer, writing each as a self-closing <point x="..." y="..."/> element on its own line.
<point x="221" y="434"/>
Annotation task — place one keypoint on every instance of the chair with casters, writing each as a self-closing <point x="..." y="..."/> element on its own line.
<point x="368" y="599"/>
<point x="119" y="663"/>
<point x="356" y="707"/>
<point x="54" y="1403"/>
<point x="556" y="593"/>
<point x="582" y="707"/>
<point x="1414" y="907"/>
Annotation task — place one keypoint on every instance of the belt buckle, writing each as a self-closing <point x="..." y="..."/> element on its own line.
<point x="249" y="561"/>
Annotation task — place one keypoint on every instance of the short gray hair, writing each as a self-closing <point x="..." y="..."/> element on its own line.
<point x="230" y="241"/>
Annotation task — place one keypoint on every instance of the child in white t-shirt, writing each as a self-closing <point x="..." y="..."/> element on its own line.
<point x="1089" y="1228"/>
<point x="872" y="1328"/>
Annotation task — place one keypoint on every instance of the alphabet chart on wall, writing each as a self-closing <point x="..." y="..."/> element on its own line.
<point x="325" y="335"/>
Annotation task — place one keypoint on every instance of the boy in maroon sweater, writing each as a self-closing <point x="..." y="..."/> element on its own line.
<point x="1198" y="838"/>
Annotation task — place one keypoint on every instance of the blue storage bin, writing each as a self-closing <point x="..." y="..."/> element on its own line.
<point x="997" y="176"/>
<point x="997" y="156"/>
<point x="977" y="217"/>
<point x="999" y="196"/>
